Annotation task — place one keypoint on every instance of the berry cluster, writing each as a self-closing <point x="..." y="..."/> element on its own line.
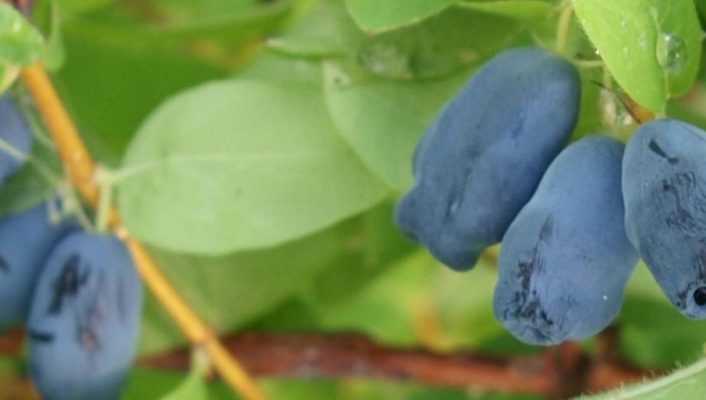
<point x="77" y="291"/>
<point x="572" y="220"/>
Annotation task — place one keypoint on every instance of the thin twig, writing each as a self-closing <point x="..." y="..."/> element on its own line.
<point x="560" y="372"/>
<point x="82" y="169"/>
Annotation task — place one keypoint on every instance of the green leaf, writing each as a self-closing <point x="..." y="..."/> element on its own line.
<point x="237" y="165"/>
<point x="418" y="292"/>
<point x="377" y="244"/>
<point x="223" y="20"/>
<point x="271" y="66"/>
<point x="687" y="383"/>
<point x="31" y="185"/>
<point x="81" y="6"/>
<point x="48" y="17"/>
<point x="590" y="115"/>
<point x="384" y="119"/>
<point x="194" y="387"/>
<point x="230" y="291"/>
<point x="386" y="308"/>
<point x="660" y="338"/>
<point x="652" y="47"/>
<point x="437" y="47"/>
<point x="146" y="383"/>
<point x="519" y="9"/>
<point x="110" y="85"/>
<point x="204" y="32"/>
<point x="377" y="16"/>
<point x="20" y="43"/>
<point x="326" y="30"/>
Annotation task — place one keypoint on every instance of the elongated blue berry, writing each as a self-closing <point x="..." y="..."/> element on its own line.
<point x="664" y="185"/>
<point x="480" y="162"/>
<point x="25" y="241"/>
<point x="565" y="259"/>
<point x="84" y="321"/>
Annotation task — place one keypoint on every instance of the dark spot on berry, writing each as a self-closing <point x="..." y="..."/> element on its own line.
<point x="4" y="265"/>
<point x="655" y="148"/>
<point x="700" y="296"/>
<point x="87" y="338"/>
<point x="40" y="337"/>
<point x="67" y="283"/>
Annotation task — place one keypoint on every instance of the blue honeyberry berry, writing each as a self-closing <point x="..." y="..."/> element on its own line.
<point x="565" y="260"/>
<point x="482" y="159"/>
<point x="25" y="241"/>
<point x="664" y="185"/>
<point x="84" y="321"/>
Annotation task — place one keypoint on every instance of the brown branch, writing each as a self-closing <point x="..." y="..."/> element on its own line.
<point x="558" y="372"/>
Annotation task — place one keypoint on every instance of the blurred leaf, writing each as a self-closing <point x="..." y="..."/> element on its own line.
<point x="368" y="254"/>
<point x="81" y="6"/>
<point x="687" y="384"/>
<point x="150" y="384"/>
<point x="294" y="315"/>
<point x="144" y="383"/>
<point x="267" y="167"/>
<point x="356" y="389"/>
<point x="376" y="16"/>
<point x="655" y="335"/>
<point x="439" y="46"/>
<point x="368" y="389"/>
<point x="232" y="290"/>
<point x="519" y="9"/>
<point x="271" y="66"/>
<point x="327" y="30"/>
<point x="258" y="288"/>
<point x="385" y="309"/>
<point x="383" y="120"/>
<point x="20" y="43"/>
<point x="465" y="306"/>
<point x="30" y="186"/>
<point x="590" y="117"/>
<point x="223" y="38"/>
<point x="643" y="285"/>
<point x="111" y="87"/>
<point x="47" y="16"/>
<point x="228" y="21"/>
<point x="195" y="386"/>
<point x="651" y="47"/>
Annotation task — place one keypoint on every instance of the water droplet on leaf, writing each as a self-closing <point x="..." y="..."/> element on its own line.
<point x="671" y="53"/>
<point x="386" y="59"/>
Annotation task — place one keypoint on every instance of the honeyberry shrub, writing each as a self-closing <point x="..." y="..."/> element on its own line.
<point x="258" y="148"/>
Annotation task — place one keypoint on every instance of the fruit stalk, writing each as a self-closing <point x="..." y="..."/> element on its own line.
<point x="81" y="169"/>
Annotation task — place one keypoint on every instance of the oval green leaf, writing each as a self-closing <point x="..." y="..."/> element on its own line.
<point x="378" y="16"/>
<point x="437" y="47"/>
<point x="383" y="119"/>
<point x="20" y="42"/>
<point x="518" y="9"/>
<point x="326" y="31"/>
<point x="652" y="47"/>
<point x="240" y="165"/>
